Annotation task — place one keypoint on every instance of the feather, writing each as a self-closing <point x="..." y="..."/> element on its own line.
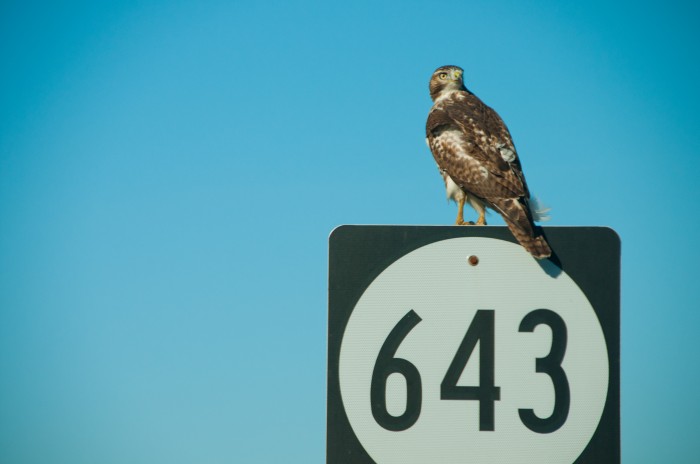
<point x="540" y="211"/>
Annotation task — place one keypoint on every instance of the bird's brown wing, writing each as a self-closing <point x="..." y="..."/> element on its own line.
<point x="466" y="138"/>
<point x="471" y="144"/>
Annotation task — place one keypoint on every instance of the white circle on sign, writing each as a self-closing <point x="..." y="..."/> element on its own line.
<point x="438" y="283"/>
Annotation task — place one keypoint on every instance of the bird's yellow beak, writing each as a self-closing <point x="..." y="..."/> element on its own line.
<point x="457" y="74"/>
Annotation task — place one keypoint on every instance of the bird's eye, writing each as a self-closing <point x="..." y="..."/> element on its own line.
<point x="442" y="75"/>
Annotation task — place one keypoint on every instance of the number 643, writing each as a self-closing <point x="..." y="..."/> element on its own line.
<point x="480" y="330"/>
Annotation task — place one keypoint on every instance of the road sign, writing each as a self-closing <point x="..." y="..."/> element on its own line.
<point x="452" y="344"/>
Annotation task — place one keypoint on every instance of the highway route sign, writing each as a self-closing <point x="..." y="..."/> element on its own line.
<point x="453" y="345"/>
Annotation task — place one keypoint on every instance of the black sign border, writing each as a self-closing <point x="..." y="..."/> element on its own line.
<point x="359" y="253"/>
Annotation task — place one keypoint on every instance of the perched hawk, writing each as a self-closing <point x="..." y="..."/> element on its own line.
<point x="477" y="159"/>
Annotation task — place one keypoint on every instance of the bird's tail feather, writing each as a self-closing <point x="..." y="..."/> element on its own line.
<point x="518" y="221"/>
<point x="537" y="247"/>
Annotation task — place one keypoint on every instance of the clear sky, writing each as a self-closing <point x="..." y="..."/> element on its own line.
<point x="170" y="172"/>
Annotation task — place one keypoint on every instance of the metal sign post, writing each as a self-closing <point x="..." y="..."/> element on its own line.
<point x="452" y="344"/>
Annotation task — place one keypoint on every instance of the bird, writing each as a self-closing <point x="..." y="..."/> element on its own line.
<point x="478" y="161"/>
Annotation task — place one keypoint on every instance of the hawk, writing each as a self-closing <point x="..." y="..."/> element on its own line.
<point x="477" y="159"/>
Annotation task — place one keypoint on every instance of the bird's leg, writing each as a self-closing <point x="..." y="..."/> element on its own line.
<point x="460" y="214"/>
<point x="482" y="218"/>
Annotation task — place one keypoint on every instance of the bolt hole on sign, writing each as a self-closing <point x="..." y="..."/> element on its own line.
<point x="453" y="345"/>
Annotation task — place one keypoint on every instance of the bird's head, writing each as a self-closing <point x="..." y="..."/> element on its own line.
<point x="446" y="79"/>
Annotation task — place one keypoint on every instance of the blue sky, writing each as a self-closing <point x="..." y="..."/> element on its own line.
<point x="170" y="172"/>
